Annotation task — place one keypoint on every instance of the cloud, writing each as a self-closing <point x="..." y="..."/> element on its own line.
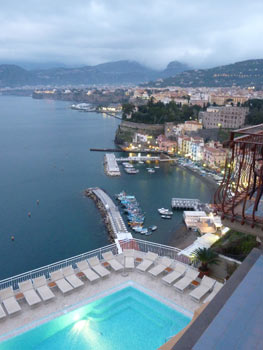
<point x="200" y="33"/>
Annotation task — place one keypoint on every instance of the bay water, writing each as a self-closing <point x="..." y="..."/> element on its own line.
<point x="45" y="155"/>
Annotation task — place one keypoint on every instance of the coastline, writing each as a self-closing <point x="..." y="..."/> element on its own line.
<point x="207" y="180"/>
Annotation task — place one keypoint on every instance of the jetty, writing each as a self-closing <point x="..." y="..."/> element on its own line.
<point x="110" y="165"/>
<point x="137" y="159"/>
<point x="110" y="213"/>
<point x="186" y="203"/>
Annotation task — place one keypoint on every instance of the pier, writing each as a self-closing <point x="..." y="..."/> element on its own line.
<point x="110" y="165"/>
<point x="185" y="203"/>
<point x="125" y="151"/>
<point x="137" y="159"/>
<point x="111" y="215"/>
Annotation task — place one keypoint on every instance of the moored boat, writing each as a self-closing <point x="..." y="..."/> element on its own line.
<point x="166" y="216"/>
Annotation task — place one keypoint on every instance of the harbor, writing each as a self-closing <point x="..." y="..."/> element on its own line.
<point x="64" y="217"/>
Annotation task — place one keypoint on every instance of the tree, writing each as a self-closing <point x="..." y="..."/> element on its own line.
<point x="205" y="256"/>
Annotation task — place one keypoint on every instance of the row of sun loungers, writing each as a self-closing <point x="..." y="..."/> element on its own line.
<point x="37" y="290"/>
<point x="181" y="277"/>
<point x="66" y="279"/>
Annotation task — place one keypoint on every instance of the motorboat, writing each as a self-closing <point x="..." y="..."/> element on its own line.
<point x="153" y="228"/>
<point x="151" y="170"/>
<point x="166" y="216"/>
<point x="157" y="167"/>
<point x="164" y="211"/>
<point x="141" y="162"/>
<point x="137" y="229"/>
<point x="127" y="165"/>
<point x="144" y="231"/>
<point x="131" y="171"/>
<point x="148" y="233"/>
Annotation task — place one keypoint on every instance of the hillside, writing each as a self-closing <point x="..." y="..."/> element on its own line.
<point x="245" y="73"/>
<point x="120" y="72"/>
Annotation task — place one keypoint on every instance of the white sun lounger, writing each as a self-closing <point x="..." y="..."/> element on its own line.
<point x="158" y="269"/>
<point x="40" y="284"/>
<point x="205" y="286"/>
<point x="128" y="259"/>
<point x="30" y="294"/>
<point x="185" y="282"/>
<point x="10" y="303"/>
<point x="96" y="266"/>
<point x="178" y="272"/>
<point x="115" y="264"/>
<point x="9" y="300"/>
<point x="83" y="267"/>
<point x="215" y="290"/>
<point x="63" y="285"/>
<point x="2" y="313"/>
<point x="70" y="276"/>
<point x="147" y="262"/>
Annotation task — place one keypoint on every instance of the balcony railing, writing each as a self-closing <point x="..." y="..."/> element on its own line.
<point x="239" y="196"/>
<point x="136" y="244"/>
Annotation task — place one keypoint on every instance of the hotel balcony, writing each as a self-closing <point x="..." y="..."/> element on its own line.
<point x="239" y="197"/>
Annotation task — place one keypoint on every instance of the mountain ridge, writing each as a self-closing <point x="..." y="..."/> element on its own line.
<point x="117" y="72"/>
<point x="244" y="73"/>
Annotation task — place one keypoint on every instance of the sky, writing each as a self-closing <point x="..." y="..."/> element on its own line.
<point x="201" y="33"/>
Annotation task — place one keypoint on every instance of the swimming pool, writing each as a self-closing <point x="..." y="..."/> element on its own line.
<point x="127" y="319"/>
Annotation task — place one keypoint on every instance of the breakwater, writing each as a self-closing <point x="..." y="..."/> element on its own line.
<point x="110" y="214"/>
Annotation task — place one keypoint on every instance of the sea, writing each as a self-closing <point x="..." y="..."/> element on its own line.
<point x="45" y="156"/>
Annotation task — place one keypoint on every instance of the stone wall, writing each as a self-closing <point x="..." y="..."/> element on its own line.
<point x="154" y="129"/>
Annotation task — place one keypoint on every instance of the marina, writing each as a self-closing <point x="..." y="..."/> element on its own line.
<point x="135" y="216"/>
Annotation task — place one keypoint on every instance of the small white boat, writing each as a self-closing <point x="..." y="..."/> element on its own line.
<point x="164" y="211"/>
<point x="141" y="162"/>
<point x="151" y="171"/>
<point x="127" y="165"/>
<point x="144" y="231"/>
<point x="166" y="216"/>
<point x="157" y="167"/>
<point x="153" y="228"/>
<point x="137" y="229"/>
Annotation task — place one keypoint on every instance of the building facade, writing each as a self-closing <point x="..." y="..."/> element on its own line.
<point x="227" y="117"/>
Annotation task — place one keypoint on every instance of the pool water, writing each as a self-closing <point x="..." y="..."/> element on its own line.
<point x="128" y="319"/>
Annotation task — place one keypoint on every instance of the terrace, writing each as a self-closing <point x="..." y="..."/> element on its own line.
<point x="30" y="317"/>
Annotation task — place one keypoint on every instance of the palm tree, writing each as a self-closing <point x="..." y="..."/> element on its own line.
<point x="206" y="256"/>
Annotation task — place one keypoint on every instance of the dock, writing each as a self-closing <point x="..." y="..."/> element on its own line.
<point x="185" y="203"/>
<point x="110" y="212"/>
<point x="137" y="159"/>
<point x="110" y="165"/>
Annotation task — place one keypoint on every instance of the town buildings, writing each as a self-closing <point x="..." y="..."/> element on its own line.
<point x="214" y="155"/>
<point x="227" y="117"/>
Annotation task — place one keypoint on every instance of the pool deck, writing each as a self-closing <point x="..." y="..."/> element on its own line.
<point x="28" y="317"/>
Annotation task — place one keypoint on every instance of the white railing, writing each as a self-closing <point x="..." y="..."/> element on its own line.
<point x="136" y="244"/>
<point x="45" y="270"/>
<point x="160" y="249"/>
